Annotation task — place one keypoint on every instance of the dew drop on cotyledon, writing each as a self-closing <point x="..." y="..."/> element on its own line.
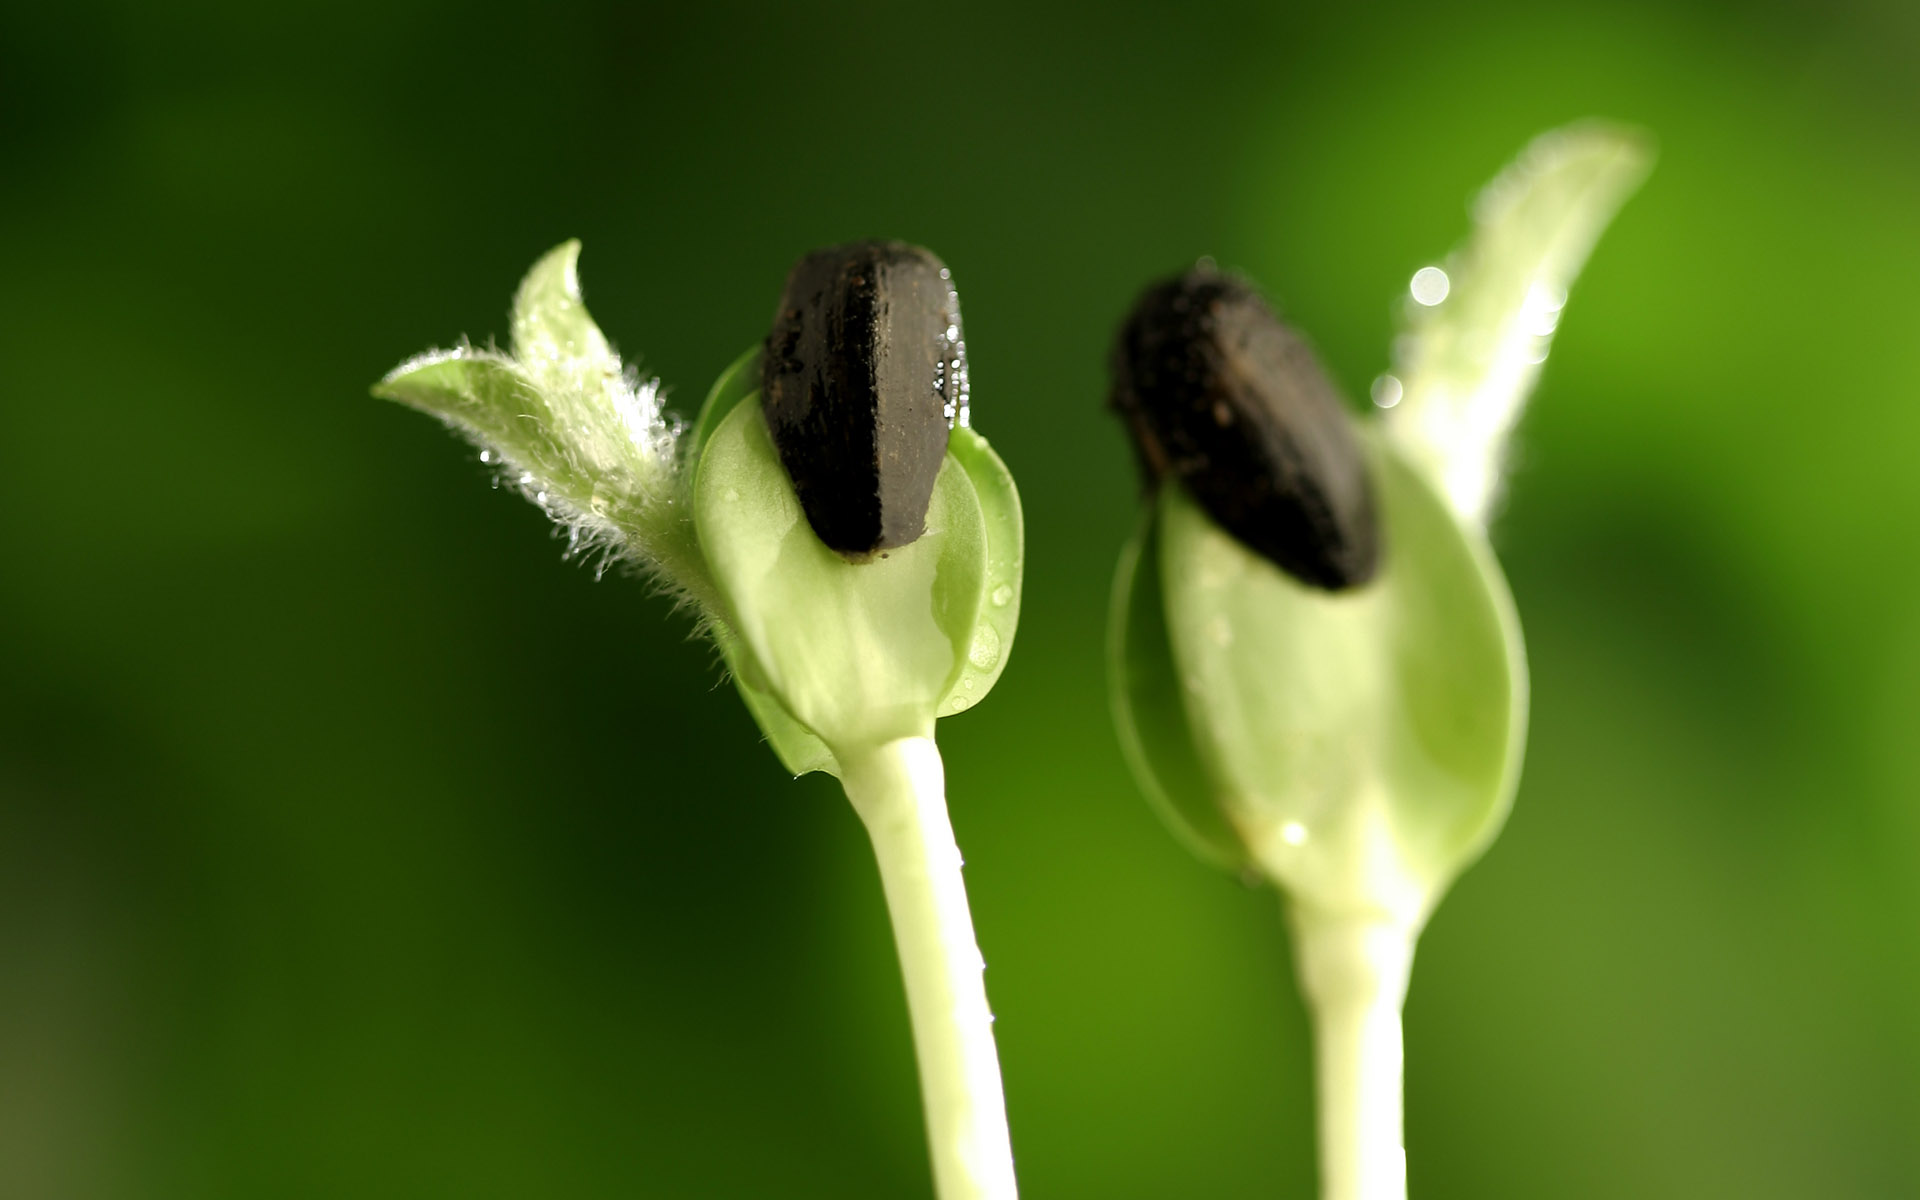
<point x="1224" y="398"/>
<point x="985" y="651"/>
<point x="863" y="377"/>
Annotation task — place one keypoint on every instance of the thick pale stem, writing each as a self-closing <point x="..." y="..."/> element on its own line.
<point x="900" y="793"/>
<point x="1353" y="972"/>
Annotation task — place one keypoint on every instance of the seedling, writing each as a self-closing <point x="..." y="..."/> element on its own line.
<point x="1317" y="671"/>
<point x="851" y="545"/>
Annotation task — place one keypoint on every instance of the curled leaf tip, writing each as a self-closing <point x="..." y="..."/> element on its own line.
<point x="566" y="423"/>
<point x="1479" y="325"/>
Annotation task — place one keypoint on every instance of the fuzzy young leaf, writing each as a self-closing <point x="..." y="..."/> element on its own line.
<point x="578" y="433"/>
<point x="490" y="399"/>
<point x="1364" y="745"/>
<point x="554" y="337"/>
<point x="1467" y="362"/>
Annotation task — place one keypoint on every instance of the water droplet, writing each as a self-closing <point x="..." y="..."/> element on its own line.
<point x="959" y="702"/>
<point x="967" y="683"/>
<point x="985" y="651"/>
<point x="1430" y="286"/>
<point x="1001" y="595"/>
<point x="730" y="495"/>
<point x="1387" y="391"/>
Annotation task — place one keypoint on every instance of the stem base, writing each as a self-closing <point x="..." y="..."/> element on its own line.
<point x="899" y="791"/>
<point x="1353" y="971"/>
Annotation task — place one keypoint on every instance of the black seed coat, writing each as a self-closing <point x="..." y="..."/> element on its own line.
<point x="1232" y="403"/>
<point x="859" y="383"/>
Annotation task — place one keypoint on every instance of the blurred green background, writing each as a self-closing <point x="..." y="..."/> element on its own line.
<point x="353" y="844"/>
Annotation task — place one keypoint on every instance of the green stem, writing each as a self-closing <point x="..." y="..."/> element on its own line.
<point x="900" y="793"/>
<point x="1353" y="972"/>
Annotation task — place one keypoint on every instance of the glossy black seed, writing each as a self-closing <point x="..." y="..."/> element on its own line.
<point x="863" y="376"/>
<point x="1218" y="393"/>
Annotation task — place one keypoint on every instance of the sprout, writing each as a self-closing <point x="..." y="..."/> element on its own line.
<point x="853" y="548"/>
<point x="1316" y="667"/>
